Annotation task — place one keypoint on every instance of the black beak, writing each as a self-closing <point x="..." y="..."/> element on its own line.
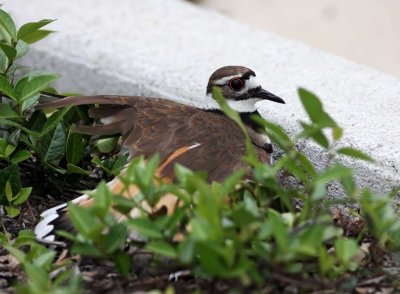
<point x="263" y="94"/>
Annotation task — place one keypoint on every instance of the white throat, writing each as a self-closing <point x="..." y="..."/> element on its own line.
<point x="248" y="105"/>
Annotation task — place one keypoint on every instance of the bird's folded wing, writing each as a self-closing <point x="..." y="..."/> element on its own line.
<point x="153" y="125"/>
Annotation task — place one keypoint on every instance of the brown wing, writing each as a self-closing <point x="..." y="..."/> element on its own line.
<point x="195" y="138"/>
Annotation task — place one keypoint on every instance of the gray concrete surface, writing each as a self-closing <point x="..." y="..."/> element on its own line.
<point x="365" y="31"/>
<point x="169" y="48"/>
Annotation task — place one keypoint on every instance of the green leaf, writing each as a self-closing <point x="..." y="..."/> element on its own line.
<point x="7" y="88"/>
<point x="12" y="211"/>
<point x="83" y="221"/>
<point x="337" y="133"/>
<point x="307" y="164"/>
<point x="86" y="250"/>
<point x="73" y="169"/>
<point x="3" y="62"/>
<point x="336" y="172"/>
<point x="20" y="156"/>
<point x="291" y="166"/>
<point x="18" y="254"/>
<point x="29" y="86"/>
<point x="53" y="121"/>
<point x="30" y="27"/>
<point x="6" y="148"/>
<point x="162" y="248"/>
<point x="116" y="238"/>
<point x="22" y="48"/>
<point x="9" y="174"/>
<point x="102" y="198"/>
<point x="36" y="36"/>
<point x="276" y="133"/>
<point x="76" y="145"/>
<point x="187" y="251"/>
<point x="182" y="174"/>
<point x="7" y="112"/>
<point x="122" y="262"/>
<point x="315" y="132"/>
<point x="355" y="153"/>
<point x="14" y="124"/>
<point x="145" y="174"/>
<point x="210" y="258"/>
<point x="30" y="101"/>
<point x="10" y="51"/>
<point x="314" y="109"/>
<point x="51" y="146"/>
<point x="8" y="191"/>
<point x="22" y="195"/>
<point x="107" y="145"/>
<point x="345" y="249"/>
<point x="37" y="122"/>
<point x="325" y="261"/>
<point x="145" y="227"/>
<point x="349" y="185"/>
<point x="37" y="274"/>
<point x="25" y="237"/>
<point x="119" y="164"/>
<point x="7" y="24"/>
<point x="45" y="260"/>
<point x="66" y="235"/>
<point x="122" y="204"/>
<point x="96" y="160"/>
<point x="200" y="229"/>
<point x="232" y="180"/>
<point x="4" y="239"/>
<point x="279" y="230"/>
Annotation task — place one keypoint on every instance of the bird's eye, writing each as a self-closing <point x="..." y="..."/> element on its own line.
<point x="236" y="84"/>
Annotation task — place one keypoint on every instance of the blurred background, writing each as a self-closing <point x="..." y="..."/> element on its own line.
<point x="365" y="31"/>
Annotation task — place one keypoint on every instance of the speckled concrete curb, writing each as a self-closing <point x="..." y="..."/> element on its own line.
<point x="169" y="48"/>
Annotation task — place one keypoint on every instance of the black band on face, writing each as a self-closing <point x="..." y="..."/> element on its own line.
<point x="248" y="74"/>
<point x="251" y="93"/>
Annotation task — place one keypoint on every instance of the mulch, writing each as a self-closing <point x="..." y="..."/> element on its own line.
<point x="381" y="273"/>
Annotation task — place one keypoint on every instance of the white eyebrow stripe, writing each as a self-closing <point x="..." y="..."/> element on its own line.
<point x="251" y="83"/>
<point x="223" y="81"/>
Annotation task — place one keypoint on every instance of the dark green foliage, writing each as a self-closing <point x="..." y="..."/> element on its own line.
<point x="232" y="229"/>
<point x="46" y="141"/>
<point x="20" y="89"/>
<point x="43" y="274"/>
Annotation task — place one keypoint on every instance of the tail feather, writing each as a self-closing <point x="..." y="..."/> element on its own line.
<point x="57" y="218"/>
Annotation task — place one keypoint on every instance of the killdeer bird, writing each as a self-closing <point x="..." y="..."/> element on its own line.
<point x="197" y="138"/>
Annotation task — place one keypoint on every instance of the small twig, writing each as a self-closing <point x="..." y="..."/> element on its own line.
<point x="368" y="282"/>
<point x="174" y="277"/>
<point x="292" y="281"/>
<point x="327" y="291"/>
<point x="28" y="204"/>
<point x="56" y="243"/>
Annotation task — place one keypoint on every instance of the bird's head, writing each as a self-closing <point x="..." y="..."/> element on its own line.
<point x="240" y="88"/>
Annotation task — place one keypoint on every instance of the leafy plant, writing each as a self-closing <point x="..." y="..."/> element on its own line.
<point x="20" y="89"/>
<point x="43" y="142"/>
<point x="234" y="230"/>
<point x="43" y="273"/>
